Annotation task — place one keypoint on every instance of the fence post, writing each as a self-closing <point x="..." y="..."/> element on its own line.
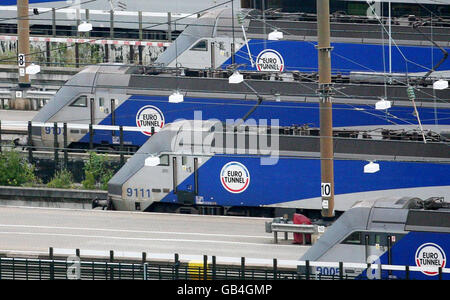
<point x="213" y="268"/>
<point x="440" y="273"/>
<point x="141" y="34"/>
<point x="91" y="137"/>
<point x="307" y="270"/>
<point x="54" y="22"/>
<point x="55" y="144"/>
<point x="122" y="158"/>
<point x="407" y="272"/>
<point x="29" y="143"/>
<point x="242" y="267"/>
<point x="177" y="263"/>
<point x="144" y="257"/>
<point x="205" y="267"/>
<point x="111" y="24"/>
<point x="111" y="268"/>
<point x="52" y="264"/>
<point x="275" y="269"/>
<point x="1" y="150"/>
<point x="145" y="270"/>
<point x="169" y="26"/>
<point x="341" y="270"/>
<point x="66" y="155"/>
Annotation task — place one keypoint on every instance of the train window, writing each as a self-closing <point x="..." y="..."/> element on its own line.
<point x="201" y="46"/>
<point x="80" y="102"/>
<point x="164" y="160"/>
<point x="101" y="102"/>
<point x="184" y="160"/>
<point x="354" y="238"/>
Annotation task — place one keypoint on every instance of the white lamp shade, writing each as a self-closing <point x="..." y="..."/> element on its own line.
<point x="152" y="161"/>
<point x="440" y="84"/>
<point x="275" y="35"/>
<point x="85" y="27"/>
<point x="236" y="78"/>
<point x="176" y="97"/>
<point x="383" y="104"/>
<point x="371" y="168"/>
<point x="33" y="69"/>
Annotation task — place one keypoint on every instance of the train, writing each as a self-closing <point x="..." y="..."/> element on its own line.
<point x="268" y="170"/>
<point x="122" y="95"/>
<point x="402" y="231"/>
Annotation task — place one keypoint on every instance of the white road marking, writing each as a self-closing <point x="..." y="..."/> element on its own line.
<point x="141" y="239"/>
<point x="135" y="231"/>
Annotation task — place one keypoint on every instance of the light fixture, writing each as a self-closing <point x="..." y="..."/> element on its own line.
<point x="152" y="161"/>
<point x="383" y="104"/>
<point x="236" y="78"/>
<point x="176" y="97"/>
<point x="371" y="167"/>
<point x="32" y="69"/>
<point x="85" y="27"/>
<point x="275" y="35"/>
<point x="440" y="84"/>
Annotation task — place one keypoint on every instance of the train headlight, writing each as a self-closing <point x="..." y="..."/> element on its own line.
<point x="371" y="167"/>
<point x="440" y="84"/>
<point x="152" y="161"/>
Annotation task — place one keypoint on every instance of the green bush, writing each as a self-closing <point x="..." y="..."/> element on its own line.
<point x="62" y="180"/>
<point x="15" y="170"/>
<point x="97" y="172"/>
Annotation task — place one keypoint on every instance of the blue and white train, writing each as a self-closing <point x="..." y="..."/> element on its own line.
<point x="135" y="95"/>
<point x="397" y="231"/>
<point x="267" y="170"/>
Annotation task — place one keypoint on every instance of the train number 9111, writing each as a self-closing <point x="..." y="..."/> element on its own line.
<point x="135" y="192"/>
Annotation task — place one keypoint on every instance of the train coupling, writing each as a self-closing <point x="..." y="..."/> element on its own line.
<point x="100" y="203"/>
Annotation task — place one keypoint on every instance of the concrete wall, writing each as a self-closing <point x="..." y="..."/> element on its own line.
<point x="49" y="198"/>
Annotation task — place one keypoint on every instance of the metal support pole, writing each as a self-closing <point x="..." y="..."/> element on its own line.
<point x="88" y="34"/>
<point x="326" y="116"/>
<point x="48" y="51"/>
<point x="66" y="154"/>
<point x="169" y="26"/>
<point x="23" y="32"/>
<point x="341" y="270"/>
<point x="1" y="150"/>
<point x="29" y="143"/>
<point x="122" y="157"/>
<point x="54" y="22"/>
<point x="91" y="137"/>
<point x="55" y="144"/>
<point x="111" y="24"/>
<point x="144" y="257"/>
<point x="141" y="33"/>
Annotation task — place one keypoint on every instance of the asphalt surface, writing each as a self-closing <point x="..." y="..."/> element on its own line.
<point x="37" y="229"/>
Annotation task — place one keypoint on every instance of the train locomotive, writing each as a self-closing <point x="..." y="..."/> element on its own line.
<point x="403" y="231"/>
<point x="245" y="169"/>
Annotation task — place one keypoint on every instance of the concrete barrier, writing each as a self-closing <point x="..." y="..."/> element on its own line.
<point x="49" y="198"/>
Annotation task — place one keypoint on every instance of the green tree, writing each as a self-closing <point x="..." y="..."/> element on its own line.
<point x="15" y="170"/>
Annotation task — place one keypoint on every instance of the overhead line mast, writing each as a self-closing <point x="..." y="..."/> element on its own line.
<point x="326" y="116"/>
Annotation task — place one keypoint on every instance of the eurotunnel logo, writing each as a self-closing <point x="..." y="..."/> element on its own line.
<point x="149" y="117"/>
<point x="235" y="177"/>
<point x="270" y="61"/>
<point x="429" y="257"/>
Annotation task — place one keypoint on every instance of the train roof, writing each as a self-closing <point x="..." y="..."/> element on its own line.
<point x="388" y="215"/>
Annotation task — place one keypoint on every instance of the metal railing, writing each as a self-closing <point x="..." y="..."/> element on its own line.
<point x="105" y="268"/>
